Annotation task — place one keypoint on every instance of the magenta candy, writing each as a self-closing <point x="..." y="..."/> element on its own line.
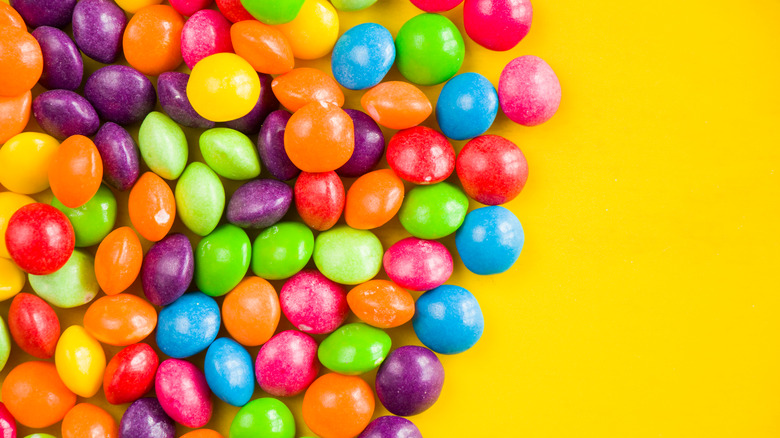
<point x="98" y="26"/>
<point x="189" y="7"/>
<point x="312" y="303"/>
<point x="167" y="269"/>
<point x="270" y="146"/>
<point x="409" y="381"/>
<point x="146" y="418"/>
<point x="391" y="427"/>
<point x="266" y="104"/>
<point x="36" y="13"/>
<point x="497" y="24"/>
<point x="183" y="393"/>
<point x="62" y="65"/>
<point x="436" y="5"/>
<point x="62" y="113"/>
<point x="172" y="91"/>
<point x="206" y="33"/>
<point x="369" y="145"/>
<point x="287" y="364"/>
<point x="8" y="423"/>
<point x="120" y="94"/>
<point x="259" y="204"/>
<point x="529" y="91"/>
<point x="119" y="154"/>
<point x="418" y="264"/>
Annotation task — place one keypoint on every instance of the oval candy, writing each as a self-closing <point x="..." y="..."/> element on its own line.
<point x="183" y="393"/>
<point x="229" y="371"/>
<point x="354" y="349"/>
<point x="222" y="260"/>
<point x="200" y="198"/>
<point x="130" y="374"/>
<point x="80" y="361"/>
<point x="120" y="320"/>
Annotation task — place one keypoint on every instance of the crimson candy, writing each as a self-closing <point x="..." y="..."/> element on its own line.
<point x="168" y="269"/>
<point x="33" y="325"/>
<point x="36" y="13"/>
<point x="130" y="374"/>
<point x="7" y="423"/>
<point x="319" y="199"/>
<point x="259" y="204"/>
<point x="287" y="364"/>
<point x="266" y="104"/>
<point x="369" y="145"/>
<point x="436" y="5"/>
<point x="492" y="169"/>
<point x="98" y="26"/>
<point x="189" y="7"/>
<point x="63" y="113"/>
<point x="391" y="427"/>
<point x="312" y="303"/>
<point x="119" y="154"/>
<point x="233" y="10"/>
<point x="120" y="94"/>
<point x="40" y="239"/>
<point x="172" y="91"/>
<point x="205" y="33"/>
<point x="146" y="418"/>
<point x="418" y="264"/>
<point x="421" y="155"/>
<point x="409" y="381"/>
<point x="62" y="65"/>
<point x="497" y="24"/>
<point x="270" y="146"/>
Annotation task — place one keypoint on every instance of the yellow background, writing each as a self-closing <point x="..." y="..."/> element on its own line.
<point x="645" y="302"/>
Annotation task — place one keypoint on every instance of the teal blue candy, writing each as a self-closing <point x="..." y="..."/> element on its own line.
<point x="348" y="256"/>
<point x="282" y="250"/>
<point x="354" y="349"/>
<point x="221" y="260"/>
<point x="93" y="220"/>
<point x="72" y="285"/>
<point x="230" y="153"/>
<point x="352" y="5"/>
<point x="5" y="344"/>
<point x="200" y="198"/>
<point x="163" y="145"/>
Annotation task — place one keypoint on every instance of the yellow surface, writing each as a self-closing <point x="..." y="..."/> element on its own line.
<point x="645" y="303"/>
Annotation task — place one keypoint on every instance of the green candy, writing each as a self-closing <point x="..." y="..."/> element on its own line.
<point x="5" y="344"/>
<point x="348" y="256"/>
<point x="93" y="220"/>
<point x="163" y="145"/>
<point x="282" y="250"/>
<point x="352" y="5"/>
<point x="200" y="198"/>
<point x="429" y="49"/>
<point x="434" y="211"/>
<point x="72" y="285"/>
<point x="354" y="349"/>
<point x="263" y="417"/>
<point x="273" y="11"/>
<point x="221" y="260"/>
<point x="230" y="153"/>
<point x="40" y="435"/>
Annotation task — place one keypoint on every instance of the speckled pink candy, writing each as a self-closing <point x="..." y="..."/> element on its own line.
<point x="183" y="393"/>
<point x="418" y="264"/>
<point x="205" y="33"/>
<point x="287" y="364"/>
<point x="529" y="91"/>
<point x="312" y="303"/>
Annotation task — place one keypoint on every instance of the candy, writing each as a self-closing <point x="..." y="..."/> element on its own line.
<point x="251" y="311"/>
<point x="9" y="203"/>
<point x="33" y="325"/>
<point x="429" y="49"/>
<point x="259" y="204"/>
<point x="63" y="113"/>
<point x="35" y="395"/>
<point x="9" y="17"/>
<point x="88" y="420"/>
<point x="436" y="6"/>
<point x="221" y="260"/>
<point x="5" y="344"/>
<point x="39" y="238"/>
<point x="418" y="264"/>
<point x="492" y="169"/>
<point x="202" y="433"/>
<point x="396" y="105"/>
<point x="352" y="5"/>
<point x="230" y="153"/>
<point x="263" y="417"/>
<point x="434" y="211"/>
<point x="337" y="406"/>
<point x="80" y="361"/>
<point x="273" y="12"/>
<point x="151" y="207"/>
<point x="152" y="39"/>
<point x="354" y="349"/>
<point x="223" y="87"/>
<point x="233" y="10"/>
<point x="287" y="364"/>
<point x="118" y="260"/>
<point x="529" y="91"/>
<point x="282" y="250"/>
<point x="188" y="325"/>
<point x="229" y="371"/>
<point x="319" y="137"/>
<point x="302" y="86"/>
<point x="391" y="427"/>
<point x="448" y="319"/>
<point x="183" y="392"/>
<point x="362" y="56"/>
<point x="62" y="65"/>
<point x="312" y="303"/>
<point x="497" y="24"/>
<point x="119" y="155"/>
<point x="14" y="115"/>
<point x="313" y="32"/>
<point x="189" y="7"/>
<point x="72" y="285"/>
<point x="490" y="240"/>
<point x="120" y="319"/>
<point x="263" y="46"/>
<point x="120" y="94"/>
<point x="421" y="155"/>
<point x="410" y="380"/>
<point x="373" y="199"/>
<point x="98" y="26"/>
<point x="76" y="171"/>
<point x="12" y="279"/>
<point x="319" y="199"/>
<point x="381" y="303"/>
<point x="92" y="221"/>
<point x="172" y="92"/>
<point x="7" y="422"/>
<point x="167" y="269"/>
<point x="467" y="106"/>
<point x="266" y="104"/>
<point x="205" y="33"/>
<point x="145" y="417"/>
<point x="25" y="161"/>
<point x="200" y="198"/>
<point x="130" y="374"/>
<point x="21" y="62"/>
<point x="163" y="145"/>
<point x="270" y="146"/>
<point x="37" y="13"/>
<point x="348" y="256"/>
<point x="369" y="145"/>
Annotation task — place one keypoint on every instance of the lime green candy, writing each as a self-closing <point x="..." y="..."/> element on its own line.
<point x="5" y="344"/>
<point x="163" y="145"/>
<point x="429" y="49"/>
<point x="40" y="435"/>
<point x="72" y="285"/>
<point x="434" y="211"/>
<point x="221" y="260"/>
<point x="93" y="220"/>
<point x="352" y="5"/>
<point x="273" y="11"/>
<point x="348" y="256"/>
<point x="200" y="198"/>
<point x="230" y="153"/>
<point x="354" y="349"/>
<point x="282" y="250"/>
<point x="263" y="417"/>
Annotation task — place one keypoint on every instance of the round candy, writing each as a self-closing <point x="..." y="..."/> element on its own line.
<point x="9" y="203"/>
<point x="183" y="392"/>
<point x="362" y="56"/>
<point x="9" y="17"/>
<point x="259" y="204"/>
<point x="72" y="285"/>
<point x="188" y="325"/>
<point x="396" y="105"/>
<point x="337" y="406"/>
<point x="348" y="256"/>
<point x="467" y="106"/>
<point x="121" y="320"/>
<point x="80" y="361"/>
<point x="430" y="49"/>
<point x="287" y="364"/>
<point x="421" y="155"/>
<point x="25" y="160"/>
<point x="273" y="11"/>
<point x="88" y="420"/>
<point x="221" y="260"/>
<point x="200" y="198"/>
<point x="202" y="433"/>
<point x="76" y="171"/>
<point x="205" y="33"/>
<point x="529" y="91"/>
<point x="436" y="5"/>
<point x="36" y="13"/>
<point x="381" y="303"/>
<point x="14" y="115"/>
<point x="33" y="325"/>
<point x="35" y="395"/>
<point x="263" y="46"/>
<point x="21" y="61"/>
<point x="172" y="92"/>
<point x="497" y="24"/>
<point x="5" y="344"/>
<point x="145" y="417"/>
<point x="267" y="103"/>
<point x="282" y="250"/>
<point x="302" y="86"/>
<point x="418" y="264"/>
<point x="118" y="260"/>
<point x="233" y="10"/>
<point x="492" y="169"/>
<point x="270" y="146"/>
<point x="410" y="380"/>
<point x="312" y="303"/>
<point x="62" y="65"/>
<point x="322" y="124"/>
<point x="63" y="113"/>
<point x="263" y="417"/>
<point x="230" y="153"/>
<point x="229" y="371"/>
<point x="39" y="238"/>
<point x="313" y="32"/>
<point x="369" y="145"/>
<point x="152" y="39"/>
<point x="7" y="422"/>
<point x="189" y="7"/>
<point x="319" y="199"/>
<point x="434" y="211"/>
<point x="167" y="269"/>
<point x="151" y="207"/>
<point x="223" y="87"/>
<point x="251" y="311"/>
<point x="98" y="26"/>
<point x="490" y="240"/>
<point x="448" y="320"/>
<point x="163" y="145"/>
<point x="354" y="349"/>
<point x="352" y="5"/>
<point x="373" y="199"/>
<point x="120" y="94"/>
<point x="130" y="374"/>
<point x="92" y="221"/>
<point x="12" y="279"/>
<point x="391" y="427"/>
<point x="119" y="154"/>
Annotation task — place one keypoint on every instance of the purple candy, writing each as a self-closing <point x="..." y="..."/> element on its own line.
<point x="409" y="380"/>
<point x="270" y="146"/>
<point x="120" y="94"/>
<point x="167" y="269"/>
<point x="98" y="27"/>
<point x="62" y="65"/>
<point x="266" y="104"/>
<point x="369" y="145"/>
<point x="119" y="154"/>
<point x="62" y="113"/>
<point x="172" y="91"/>
<point x="146" y="418"/>
<point x="259" y="204"/>
<point x="36" y="13"/>
<point x="391" y="427"/>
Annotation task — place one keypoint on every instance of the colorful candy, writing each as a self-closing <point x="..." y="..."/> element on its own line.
<point x="12" y="279"/>
<point x="80" y="361"/>
<point x="381" y="303"/>
<point x="86" y="420"/>
<point x="267" y="103"/>
<point x="93" y="220"/>
<point x="9" y="203"/>
<point x="529" y="91"/>
<point x="373" y="199"/>
<point x="354" y="349"/>
<point x="62" y="65"/>
<point x="230" y="153"/>
<point x="130" y="374"/>
<point x="287" y="364"/>
<point x="34" y="326"/>
<point x="319" y="137"/>
<point x="133" y="6"/>
<point x="5" y="344"/>
<point x="270" y="146"/>
<point x="273" y="11"/>
<point x="118" y="260"/>
<point x="421" y="155"/>
<point x="497" y="24"/>
<point x="7" y="422"/>
<point x="63" y="113"/>
<point x="259" y="204"/>
<point x="76" y="171"/>
<point x="312" y="303"/>
<point x="189" y="7"/>
<point x="183" y="393"/>
<point x="352" y="5"/>
<point x="14" y="115"/>
<point x="121" y="320"/>
<point x="391" y="427"/>
<point x="263" y="417"/>
<point x="119" y="154"/>
<point x="188" y="325"/>
<point x="98" y="26"/>
<point x="434" y="211"/>
<point x="200" y="198"/>
<point x="25" y="161"/>
<point x="409" y="380"/>
<point x="490" y="240"/>
<point x="313" y="31"/>
<point x="362" y="56"/>
<point x="418" y="264"/>
<point x="448" y="319"/>
<point x="233" y="10"/>
<point x="229" y="371"/>
<point x="152" y="39"/>
<point x="251" y="311"/>
<point x="396" y="105"/>
<point x="347" y="255"/>
<point x="151" y="207"/>
<point x="282" y="250"/>
<point x="369" y="145"/>
<point x="73" y="285"/>
<point x="35" y="395"/>
<point x="223" y="87"/>
<point x="202" y="433"/>
<point x="302" y="86"/>
<point x="9" y="17"/>
<point x="467" y="106"/>
<point x="172" y="92"/>
<point x="39" y="238"/>
<point x="21" y="61"/>
<point x="263" y="46"/>
<point x="120" y="94"/>
<point x="337" y="406"/>
<point x="221" y="260"/>
<point x="167" y="269"/>
<point x="163" y="145"/>
<point x="430" y="49"/>
<point x="436" y="5"/>
<point x="492" y="169"/>
<point x="319" y="199"/>
<point x="145" y="417"/>
<point x="205" y="33"/>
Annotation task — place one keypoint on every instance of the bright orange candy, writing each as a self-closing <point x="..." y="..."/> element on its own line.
<point x="86" y="420"/>
<point x="118" y="260"/>
<point x="152" y="40"/>
<point x="374" y="199"/>
<point x="9" y="17"/>
<point x="202" y="433"/>
<point x="251" y="311"/>
<point x="337" y="406"/>
<point x="151" y="207"/>
<point x="35" y="395"/>
<point x="21" y="61"/>
<point x="264" y="47"/>
<point x="120" y="319"/>
<point x="396" y="105"/>
<point x="306" y="85"/>
<point x="75" y="171"/>
<point x="14" y="114"/>
<point x="319" y="137"/>
<point x="381" y="303"/>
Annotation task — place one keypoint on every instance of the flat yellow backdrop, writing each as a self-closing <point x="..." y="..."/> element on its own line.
<point x="646" y="300"/>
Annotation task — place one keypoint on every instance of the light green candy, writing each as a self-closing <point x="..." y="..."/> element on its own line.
<point x="221" y="260"/>
<point x="354" y="349"/>
<point x="163" y="145"/>
<point x="200" y="198"/>
<point x="93" y="220"/>
<point x="348" y="256"/>
<point x="230" y="153"/>
<point x="72" y="285"/>
<point x="5" y="344"/>
<point x="352" y="5"/>
<point x="282" y="250"/>
<point x="40" y="435"/>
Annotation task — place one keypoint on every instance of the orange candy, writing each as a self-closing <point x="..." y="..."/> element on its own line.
<point x="152" y="40"/>
<point x="120" y="319"/>
<point x="118" y="260"/>
<point x="35" y="395"/>
<point x="305" y="85"/>
<point x="319" y="137"/>
<point x="396" y="105"/>
<point x="264" y="47"/>
<point x="9" y="17"/>
<point x="381" y="303"/>
<point x="151" y="207"/>
<point x="14" y="114"/>
<point x="86" y="420"/>
<point x="21" y="61"/>
<point x="374" y="199"/>
<point x="202" y="433"/>
<point x="337" y="406"/>
<point x="251" y="312"/>
<point x="75" y="171"/>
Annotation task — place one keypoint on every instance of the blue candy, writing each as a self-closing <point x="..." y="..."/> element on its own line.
<point x="490" y="240"/>
<point x="363" y="56"/>
<point x="448" y="319"/>
<point x="188" y="325"/>
<point x="467" y="106"/>
<point x="229" y="371"/>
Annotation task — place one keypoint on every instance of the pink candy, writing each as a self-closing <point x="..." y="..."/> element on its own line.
<point x="312" y="303"/>
<point x="529" y="91"/>
<point x="497" y="24"/>
<point x="418" y="264"/>
<point x="189" y="7"/>
<point x="287" y="364"/>
<point x="183" y="393"/>
<point x="436" y="5"/>
<point x="207" y="32"/>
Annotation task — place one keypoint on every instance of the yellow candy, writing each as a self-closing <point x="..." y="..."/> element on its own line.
<point x="24" y="162"/>
<point x="223" y="87"/>
<point x="11" y="279"/>
<point x="9" y="203"/>
<point x="80" y="361"/>
<point x="132" y="6"/>
<point x="313" y="33"/>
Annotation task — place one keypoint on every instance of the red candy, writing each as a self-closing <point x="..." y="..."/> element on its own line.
<point x="33" y="325"/>
<point x="207" y="32"/>
<point x="189" y="7"/>
<point x="7" y="422"/>
<point x="436" y="5"/>
<point x="130" y="374"/>
<point x="421" y="155"/>
<point x="374" y="199"/>
<point x="492" y="169"/>
<point x="319" y="198"/>
<point x="39" y="238"/>
<point x="497" y="24"/>
<point x="233" y="10"/>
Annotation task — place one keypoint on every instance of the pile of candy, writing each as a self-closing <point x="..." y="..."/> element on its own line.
<point x="88" y="155"/>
